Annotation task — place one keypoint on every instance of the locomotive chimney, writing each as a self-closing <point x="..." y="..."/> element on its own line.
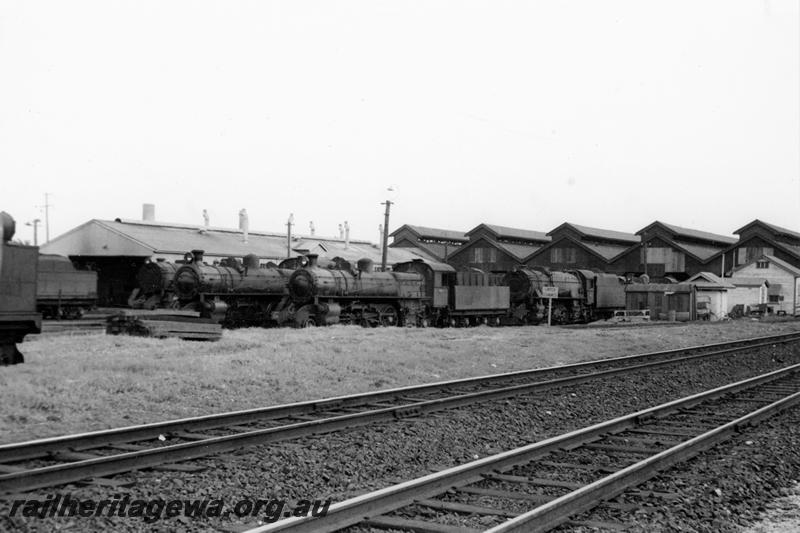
<point x="251" y="261"/>
<point x="365" y="264"/>
<point x="149" y="212"/>
<point x="197" y="256"/>
<point x="346" y="235"/>
<point x="312" y="260"/>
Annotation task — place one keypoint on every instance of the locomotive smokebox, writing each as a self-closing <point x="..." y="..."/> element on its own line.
<point x="365" y="265"/>
<point x="7" y="225"/>
<point x="251" y="261"/>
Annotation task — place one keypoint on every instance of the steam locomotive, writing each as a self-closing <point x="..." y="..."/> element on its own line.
<point x="18" y="316"/>
<point x="415" y="293"/>
<point x="583" y="295"/>
<point x="233" y="293"/>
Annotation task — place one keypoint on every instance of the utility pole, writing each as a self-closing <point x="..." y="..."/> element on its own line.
<point x="388" y="204"/>
<point x="47" y="207"/>
<point x="35" y="223"/>
<point x="289" y="224"/>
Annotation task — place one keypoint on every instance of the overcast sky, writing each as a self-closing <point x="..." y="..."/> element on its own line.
<point x="520" y="113"/>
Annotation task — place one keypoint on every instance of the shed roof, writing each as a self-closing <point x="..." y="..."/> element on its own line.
<point x="424" y="232"/>
<point x="771" y="258"/>
<point x="144" y="239"/>
<point x="771" y="227"/>
<point x="748" y="282"/>
<point x="503" y="232"/>
<point x="678" y="231"/>
<point x="709" y="280"/>
<point x="597" y="233"/>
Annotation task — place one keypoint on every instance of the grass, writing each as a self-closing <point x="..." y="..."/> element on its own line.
<point x="87" y="382"/>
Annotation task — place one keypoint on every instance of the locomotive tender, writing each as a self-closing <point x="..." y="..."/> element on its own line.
<point x="18" y="316"/>
<point x="62" y="291"/>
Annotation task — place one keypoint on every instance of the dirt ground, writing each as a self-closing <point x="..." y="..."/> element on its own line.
<point x="74" y="383"/>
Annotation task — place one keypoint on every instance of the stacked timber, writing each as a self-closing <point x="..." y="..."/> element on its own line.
<point x="162" y="323"/>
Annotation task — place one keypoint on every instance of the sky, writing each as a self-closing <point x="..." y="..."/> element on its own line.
<point x="523" y="113"/>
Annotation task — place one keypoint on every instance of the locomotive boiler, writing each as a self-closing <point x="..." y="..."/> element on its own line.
<point x="322" y="296"/>
<point x="233" y="293"/>
<point x="18" y="273"/>
<point x="155" y="285"/>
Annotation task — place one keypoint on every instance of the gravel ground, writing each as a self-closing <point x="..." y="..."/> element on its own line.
<point x="342" y="465"/>
<point x="730" y="487"/>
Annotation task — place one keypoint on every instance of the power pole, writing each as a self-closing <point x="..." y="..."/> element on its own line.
<point x="47" y="207"/>
<point x="388" y="204"/>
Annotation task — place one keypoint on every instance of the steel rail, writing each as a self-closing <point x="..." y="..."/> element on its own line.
<point x="355" y="510"/>
<point x="123" y="462"/>
<point x="551" y="514"/>
<point x="41" y="447"/>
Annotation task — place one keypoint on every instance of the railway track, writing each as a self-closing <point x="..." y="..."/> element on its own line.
<point x="54" y="461"/>
<point x="546" y="484"/>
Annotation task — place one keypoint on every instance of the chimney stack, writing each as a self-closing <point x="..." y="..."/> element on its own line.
<point x="149" y="212"/>
<point x="205" y="218"/>
<point x="311" y="227"/>
<point x="341" y="232"/>
<point x="244" y="224"/>
<point x="346" y="235"/>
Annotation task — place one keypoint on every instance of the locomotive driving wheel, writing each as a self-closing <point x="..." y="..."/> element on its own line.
<point x="387" y="316"/>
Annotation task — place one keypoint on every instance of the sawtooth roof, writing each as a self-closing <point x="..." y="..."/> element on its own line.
<point x="772" y="227"/>
<point x="598" y="233"/>
<point x="424" y="232"/>
<point x="503" y="232"/>
<point x="689" y="233"/>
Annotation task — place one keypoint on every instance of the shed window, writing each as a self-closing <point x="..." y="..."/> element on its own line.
<point x="477" y="255"/>
<point x="762" y="264"/>
<point x="563" y="255"/>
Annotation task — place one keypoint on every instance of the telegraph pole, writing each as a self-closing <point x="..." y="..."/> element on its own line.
<point x="388" y="204"/>
<point x="289" y="224"/>
<point x="47" y="207"/>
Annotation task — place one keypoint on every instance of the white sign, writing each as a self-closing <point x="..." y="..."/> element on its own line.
<point x="550" y="292"/>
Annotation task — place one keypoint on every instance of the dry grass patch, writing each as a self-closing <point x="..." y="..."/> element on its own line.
<point x="87" y="382"/>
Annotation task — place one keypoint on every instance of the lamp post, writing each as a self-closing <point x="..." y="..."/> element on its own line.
<point x="388" y="204"/>
<point x="289" y="224"/>
<point x="35" y="223"/>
